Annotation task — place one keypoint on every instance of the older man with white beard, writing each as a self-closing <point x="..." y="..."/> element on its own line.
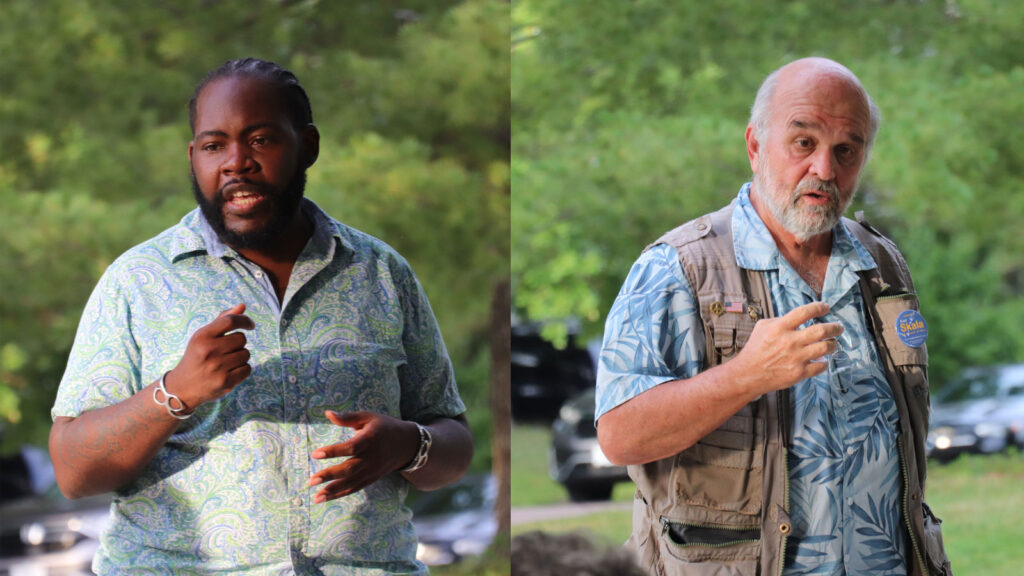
<point x="764" y="373"/>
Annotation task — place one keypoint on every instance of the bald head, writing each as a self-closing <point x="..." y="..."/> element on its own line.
<point x="818" y="78"/>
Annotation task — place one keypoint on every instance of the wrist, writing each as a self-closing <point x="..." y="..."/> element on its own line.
<point x="424" y="440"/>
<point x="164" y="394"/>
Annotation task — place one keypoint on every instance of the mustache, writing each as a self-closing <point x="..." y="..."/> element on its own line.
<point x="240" y="184"/>
<point x="827" y="187"/>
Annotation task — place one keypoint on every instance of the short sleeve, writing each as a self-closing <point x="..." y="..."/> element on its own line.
<point x="103" y="367"/>
<point x="427" y="379"/>
<point x="653" y="332"/>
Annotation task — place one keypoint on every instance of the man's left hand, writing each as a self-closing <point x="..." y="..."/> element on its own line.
<point x="381" y="445"/>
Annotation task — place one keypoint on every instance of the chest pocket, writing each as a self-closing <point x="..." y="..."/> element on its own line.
<point x="890" y="310"/>
<point x="727" y="326"/>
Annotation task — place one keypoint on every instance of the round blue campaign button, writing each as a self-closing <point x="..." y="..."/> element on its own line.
<point x="911" y="328"/>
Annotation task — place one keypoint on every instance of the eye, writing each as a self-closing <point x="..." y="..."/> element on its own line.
<point x="211" y="147"/>
<point x="845" y="152"/>
<point x="260" y="141"/>
<point x="803" y="143"/>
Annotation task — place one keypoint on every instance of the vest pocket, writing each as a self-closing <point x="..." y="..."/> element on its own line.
<point x="723" y="471"/>
<point x="934" y="549"/>
<point x="709" y="549"/>
<point x="889" y="310"/>
<point x="729" y="333"/>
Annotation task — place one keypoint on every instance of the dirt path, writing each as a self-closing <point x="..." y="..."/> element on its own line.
<point x="526" y="515"/>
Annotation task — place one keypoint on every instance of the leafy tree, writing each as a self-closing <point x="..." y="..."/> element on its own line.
<point x="411" y="100"/>
<point x="629" y="120"/>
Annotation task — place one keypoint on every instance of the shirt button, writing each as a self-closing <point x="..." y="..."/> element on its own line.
<point x="297" y="501"/>
<point x="259" y="274"/>
<point x="851" y="450"/>
<point x="849" y="501"/>
<point x="292" y="379"/>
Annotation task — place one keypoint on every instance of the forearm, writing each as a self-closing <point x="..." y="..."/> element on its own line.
<point x="673" y="416"/>
<point x="104" y="449"/>
<point x="449" y="457"/>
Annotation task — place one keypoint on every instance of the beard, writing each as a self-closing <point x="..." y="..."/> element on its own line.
<point x="802" y="221"/>
<point x="283" y="205"/>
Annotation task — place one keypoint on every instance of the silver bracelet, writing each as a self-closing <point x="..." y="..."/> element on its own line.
<point x="169" y="399"/>
<point x="421" y="455"/>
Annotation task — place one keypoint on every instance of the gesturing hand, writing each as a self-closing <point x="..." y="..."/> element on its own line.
<point x="779" y="354"/>
<point x="214" y="361"/>
<point x="381" y="445"/>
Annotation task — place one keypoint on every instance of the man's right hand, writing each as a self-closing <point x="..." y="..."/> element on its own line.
<point x="779" y="353"/>
<point x="214" y="361"/>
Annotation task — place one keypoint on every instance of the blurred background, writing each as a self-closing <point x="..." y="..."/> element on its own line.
<point x="629" y="119"/>
<point x="411" y="100"/>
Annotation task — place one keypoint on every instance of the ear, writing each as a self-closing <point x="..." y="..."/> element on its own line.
<point x="309" y="139"/>
<point x="191" y="145"/>
<point x="753" y="147"/>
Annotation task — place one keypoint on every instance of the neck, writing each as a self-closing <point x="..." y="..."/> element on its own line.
<point x="288" y="245"/>
<point x="278" y="260"/>
<point x="809" y="257"/>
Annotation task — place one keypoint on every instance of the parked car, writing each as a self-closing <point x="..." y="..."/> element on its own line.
<point x="456" y="521"/>
<point x="981" y="411"/>
<point x="43" y="533"/>
<point x="575" y="459"/>
<point x="543" y="376"/>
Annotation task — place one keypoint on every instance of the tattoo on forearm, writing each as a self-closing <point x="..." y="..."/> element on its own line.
<point x="106" y="436"/>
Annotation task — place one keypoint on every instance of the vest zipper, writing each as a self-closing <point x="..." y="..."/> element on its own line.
<point x="906" y="508"/>
<point x="666" y="521"/>
<point x="904" y="296"/>
<point x="783" y="419"/>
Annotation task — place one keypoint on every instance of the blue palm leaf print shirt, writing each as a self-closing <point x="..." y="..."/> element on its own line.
<point x="844" y="469"/>
<point x="228" y="494"/>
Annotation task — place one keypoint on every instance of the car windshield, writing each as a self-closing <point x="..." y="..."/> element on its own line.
<point x="973" y="387"/>
<point x="978" y="385"/>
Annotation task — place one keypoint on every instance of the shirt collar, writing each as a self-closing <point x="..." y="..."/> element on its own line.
<point x="756" y="250"/>
<point x="194" y="234"/>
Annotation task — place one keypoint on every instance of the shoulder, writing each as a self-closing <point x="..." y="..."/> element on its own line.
<point x="155" y="256"/>
<point x="709" y="226"/>
<point x="366" y="247"/>
<point x="887" y="256"/>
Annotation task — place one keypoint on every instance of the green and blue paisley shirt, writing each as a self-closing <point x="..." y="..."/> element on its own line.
<point x="228" y="492"/>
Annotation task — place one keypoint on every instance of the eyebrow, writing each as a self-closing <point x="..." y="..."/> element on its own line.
<point x="802" y="125"/>
<point x="221" y="134"/>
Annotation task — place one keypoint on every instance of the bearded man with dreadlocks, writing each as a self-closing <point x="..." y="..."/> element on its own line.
<point x="260" y="384"/>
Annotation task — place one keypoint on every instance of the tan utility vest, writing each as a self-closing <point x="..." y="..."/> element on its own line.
<point x="720" y="506"/>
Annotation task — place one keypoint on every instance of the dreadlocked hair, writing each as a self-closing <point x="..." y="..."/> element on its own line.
<point x="295" y="96"/>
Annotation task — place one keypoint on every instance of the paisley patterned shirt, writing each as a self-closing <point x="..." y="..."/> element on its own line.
<point x="844" y="471"/>
<point x="227" y="494"/>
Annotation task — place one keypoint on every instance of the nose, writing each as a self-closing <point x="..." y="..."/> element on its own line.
<point x="238" y="160"/>
<point x="822" y="164"/>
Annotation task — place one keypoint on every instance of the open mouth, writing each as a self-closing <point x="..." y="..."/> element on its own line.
<point x="816" y="197"/>
<point x="245" y="198"/>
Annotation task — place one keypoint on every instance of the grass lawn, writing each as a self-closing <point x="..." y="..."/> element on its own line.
<point x="979" y="498"/>
<point x="531" y="484"/>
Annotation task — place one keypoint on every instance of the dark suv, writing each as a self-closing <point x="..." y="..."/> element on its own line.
<point x="543" y="376"/>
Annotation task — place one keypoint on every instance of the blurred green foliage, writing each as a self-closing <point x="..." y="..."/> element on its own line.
<point x="629" y="120"/>
<point x="411" y="99"/>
